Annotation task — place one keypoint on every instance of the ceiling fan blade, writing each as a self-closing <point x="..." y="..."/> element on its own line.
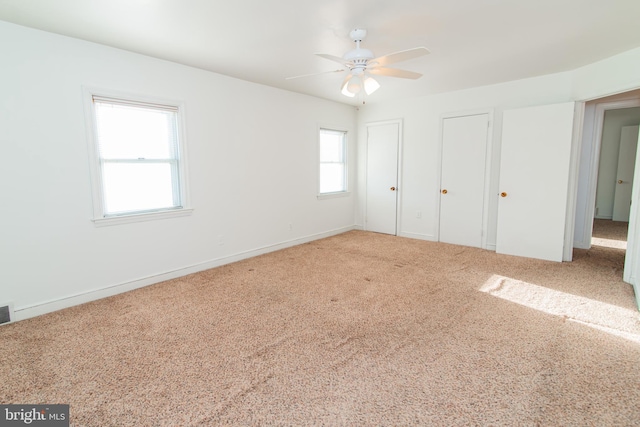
<point x="394" y="72"/>
<point x="314" y="74"/>
<point x="403" y="55"/>
<point x="333" y="58"/>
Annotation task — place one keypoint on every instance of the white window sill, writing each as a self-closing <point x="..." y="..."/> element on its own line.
<point x="334" y="195"/>
<point x="147" y="216"/>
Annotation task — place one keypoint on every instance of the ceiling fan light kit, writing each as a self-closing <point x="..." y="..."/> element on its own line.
<point x="362" y="62"/>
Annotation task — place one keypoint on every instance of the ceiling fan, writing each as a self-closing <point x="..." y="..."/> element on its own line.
<point x="361" y="64"/>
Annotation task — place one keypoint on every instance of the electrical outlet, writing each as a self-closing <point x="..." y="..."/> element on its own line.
<point x="221" y="240"/>
<point x="419" y="214"/>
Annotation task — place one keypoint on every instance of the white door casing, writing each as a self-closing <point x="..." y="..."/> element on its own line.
<point x="383" y="145"/>
<point x="534" y="179"/>
<point x="632" y="258"/>
<point x="462" y="183"/>
<point x="624" y="175"/>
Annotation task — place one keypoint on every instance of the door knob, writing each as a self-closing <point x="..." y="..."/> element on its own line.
<point x="393" y="189"/>
<point x="620" y="181"/>
<point x="503" y="194"/>
<point x="444" y="191"/>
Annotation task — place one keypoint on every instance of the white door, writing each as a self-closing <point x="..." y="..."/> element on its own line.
<point x="462" y="183"/>
<point x="382" y="176"/>
<point x="632" y="258"/>
<point x="624" y="178"/>
<point x="534" y="177"/>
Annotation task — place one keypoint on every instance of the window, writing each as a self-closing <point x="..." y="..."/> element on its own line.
<point x="137" y="167"/>
<point x="333" y="161"/>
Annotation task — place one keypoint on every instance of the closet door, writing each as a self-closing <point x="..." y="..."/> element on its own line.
<point x="383" y="142"/>
<point x="534" y="179"/>
<point x="462" y="184"/>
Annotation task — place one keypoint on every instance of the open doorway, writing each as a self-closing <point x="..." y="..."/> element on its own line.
<point x="615" y="172"/>
<point x="607" y="233"/>
<point x="590" y="223"/>
<point x="598" y="178"/>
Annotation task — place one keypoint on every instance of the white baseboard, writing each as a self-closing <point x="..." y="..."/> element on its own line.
<point x="27" y="312"/>
<point x="581" y="245"/>
<point x="491" y="247"/>
<point x="419" y="236"/>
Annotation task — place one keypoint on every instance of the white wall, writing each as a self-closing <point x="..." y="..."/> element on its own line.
<point x="619" y="73"/>
<point x="252" y="158"/>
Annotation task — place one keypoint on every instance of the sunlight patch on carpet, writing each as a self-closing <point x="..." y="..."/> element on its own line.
<point x="605" y="317"/>
<point x="609" y="243"/>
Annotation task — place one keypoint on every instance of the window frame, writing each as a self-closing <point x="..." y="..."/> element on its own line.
<point x="100" y="217"/>
<point x="345" y="132"/>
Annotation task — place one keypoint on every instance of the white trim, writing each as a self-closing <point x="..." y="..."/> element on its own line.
<point x="27" y="312"/>
<point x="91" y="93"/>
<point x="572" y="185"/>
<point x="439" y="149"/>
<point x="419" y="236"/>
<point x="632" y="258"/>
<point x="400" y="187"/>
<point x="335" y="195"/>
<point x="138" y="217"/>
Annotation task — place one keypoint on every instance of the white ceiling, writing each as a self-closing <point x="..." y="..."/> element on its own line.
<point x="472" y="42"/>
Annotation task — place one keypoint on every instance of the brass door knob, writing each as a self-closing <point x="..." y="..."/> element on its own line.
<point x="620" y="181"/>
<point x="444" y="191"/>
<point x="393" y="189"/>
<point x="503" y="194"/>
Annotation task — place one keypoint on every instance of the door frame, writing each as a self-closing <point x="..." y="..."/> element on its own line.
<point x="631" y="261"/>
<point x="622" y="210"/>
<point x="399" y="187"/>
<point x="487" y="171"/>
<point x="572" y="185"/>
<point x="632" y="258"/>
<point x="594" y="163"/>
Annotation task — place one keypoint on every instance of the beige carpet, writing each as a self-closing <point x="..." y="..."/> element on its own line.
<point x="610" y="230"/>
<point x="360" y="329"/>
<point x="610" y="234"/>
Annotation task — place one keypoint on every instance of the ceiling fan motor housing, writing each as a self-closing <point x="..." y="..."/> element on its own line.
<point x="358" y="56"/>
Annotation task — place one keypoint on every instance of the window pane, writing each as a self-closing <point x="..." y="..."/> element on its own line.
<point x="137" y="187"/>
<point x="331" y="147"/>
<point x="128" y="132"/>
<point x="332" y="161"/>
<point x="332" y="177"/>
